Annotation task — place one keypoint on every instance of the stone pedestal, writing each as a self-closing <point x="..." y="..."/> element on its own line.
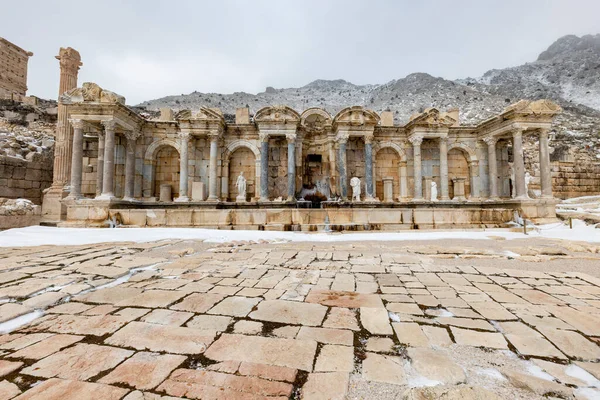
<point x="198" y="193"/>
<point x="240" y="198"/>
<point x="459" y="189"/>
<point x="388" y="189"/>
<point x="165" y="193"/>
<point x="427" y="188"/>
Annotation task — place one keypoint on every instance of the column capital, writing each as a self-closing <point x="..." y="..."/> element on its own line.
<point x="416" y="140"/>
<point x="544" y="132"/>
<point x="291" y="137"/>
<point x="77" y="123"/>
<point x="443" y="140"/>
<point x="517" y="132"/>
<point x="263" y="137"/>
<point x="132" y="135"/>
<point x="342" y="137"/>
<point x="212" y="136"/>
<point x="490" y="140"/>
<point x="184" y="136"/>
<point x="109" y="125"/>
<point x="369" y="138"/>
<point x="473" y="163"/>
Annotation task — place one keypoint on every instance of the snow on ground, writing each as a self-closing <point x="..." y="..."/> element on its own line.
<point x="39" y="235"/>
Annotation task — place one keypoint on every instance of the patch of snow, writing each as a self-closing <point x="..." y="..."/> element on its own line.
<point x="16" y="323"/>
<point x="538" y="372"/>
<point x="581" y="374"/>
<point x="393" y="317"/>
<point x="492" y="373"/>
<point x="421" y="381"/>
<point x="587" y="394"/>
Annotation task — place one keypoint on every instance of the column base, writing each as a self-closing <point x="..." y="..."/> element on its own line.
<point x="106" y="196"/>
<point x="417" y="199"/>
<point x="128" y="199"/>
<point x="445" y="198"/>
<point x="53" y="209"/>
<point x="182" y="199"/>
<point x="240" y="199"/>
<point x="371" y="199"/>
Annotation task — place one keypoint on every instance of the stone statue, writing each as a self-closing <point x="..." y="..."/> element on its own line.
<point x="527" y="181"/>
<point x="355" y="184"/>
<point x="241" y="187"/>
<point x="434" y="195"/>
<point x="513" y="188"/>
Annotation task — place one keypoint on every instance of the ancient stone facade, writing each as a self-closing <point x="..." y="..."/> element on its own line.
<point x="294" y="160"/>
<point x="13" y="70"/>
<point x="25" y="179"/>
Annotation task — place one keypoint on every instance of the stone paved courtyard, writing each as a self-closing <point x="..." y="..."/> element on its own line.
<point x="468" y="319"/>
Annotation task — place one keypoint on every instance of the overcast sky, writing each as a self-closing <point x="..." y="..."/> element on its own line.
<point x="149" y="49"/>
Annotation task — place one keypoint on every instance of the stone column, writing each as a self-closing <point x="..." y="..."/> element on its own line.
<point x="416" y="142"/>
<point x="388" y="189"/>
<point x="332" y="169"/>
<point x="475" y="190"/>
<point x="545" y="171"/>
<point x="519" y="164"/>
<point x="403" y="180"/>
<point x="184" y="142"/>
<point x="342" y="140"/>
<point x="100" y="164"/>
<point x="212" y="173"/>
<point x="77" y="158"/>
<point x="130" y="164"/>
<point x="369" y="166"/>
<point x="291" y="166"/>
<point x="492" y="166"/>
<point x="109" y="160"/>
<point x="264" y="166"/>
<point x="459" y="189"/>
<point x="225" y="180"/>
<point x="444" y="169"/>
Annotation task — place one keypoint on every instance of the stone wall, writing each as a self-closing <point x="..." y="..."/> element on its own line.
<point x="25" y="179"/>
<point x="13" y="70"/>
<point x="278" y="167"/>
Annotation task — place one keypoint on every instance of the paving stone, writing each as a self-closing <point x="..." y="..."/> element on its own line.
<point x="270" y="372"/>
<point x="132" y="313"/>
<point x="111" y="295"/>
<point x="410" y="333"/>
<point x="466" y="323"/>
<point x="96" y="325"/>
<point x="138" y="395"/>
<point x="342" y="318"/>
<point x="167" y="317"/>
<point x="333" y="358"/>
<point x="292" y="353"/>
<point x="144" y="370"/>
<point x="493" y="311"/>
<point x="198" y="302"/>
<point x="326" y="335"/>
<point x="152" y="299"/>
<point x="69" y="308"/>
<point x="61" y="389"/>
<point x="251" y="292"/>
<point x="235" y="306"/>
<point x="170" y="339"/>
<point x="376" y="321"/>
<point x="532" y="345"/>
<point x="438" y="337"/>
<point x="536" y="385"/>
<point x="404" y="308"/>
<point x="209" y="384"/>
<point x="46" y="347"/>
<point x="436" y="366"/>
<point x="80" y="362"/>
<point x="380" y="345"/>
<point x="382" y="368"/>
<point x="460" y="392"/>
<point x="572" y="344"/>
<point x="467" y="337"/>
<point x="289" y="312"/>
<point x="43" y="300"/>
<point x="567" y="375"/>
<point x="8" y="367"/>
<point x="9" y="311"/>
<point x="248" y="327"/>
<point x="586" y="323"/>
<point x="289" y="331"/>
<point x="334" y="298"/>
<point x="592" y="368"/>
<point x="326" y="386"/>
<point x="8" y="390"/>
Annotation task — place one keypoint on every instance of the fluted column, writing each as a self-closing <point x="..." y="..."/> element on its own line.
<point x="100" y="164"/>
<point x="212" y="173"/>
<point x="342" y="140"/>
<point x="77" y="158"/>
<point x="130" y="164"/>
<point x="444" y="169"/>
<point x="418" y="176"/>
<point x="109" y="160"/>
<point x="545" y="171"/>
<point x="291" y="166"/>
<point x="369" y="166"/>
<point x="492" y="166"/>
<point x="184" y="140"/>
<point x="264" y="166"/>
<point x="519" y="164"/>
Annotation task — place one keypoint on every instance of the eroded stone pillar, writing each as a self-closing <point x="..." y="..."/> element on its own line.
<point x="291" y="166"/>
<point x="416" y="142"/>
<point x="444" y="169"/>
<point x="545" y="170"/>
<point x="519" y="164"/>
<point x="100" y="164"/>
<point x="388" y="189"/>
<point x="475" y="188"/>
<point x="369" y="166"/>
<point x="342" y="140"/>
<point x="212" y="173"/>
<point x="492" y="166"/>
<point x="459" y="189"/>
<point x="77" y="158"/>
<point x="109" y="160"/>
<point x="130" y="165"/>
<point x="184" y="140"/>
<point x="264" y="166"/>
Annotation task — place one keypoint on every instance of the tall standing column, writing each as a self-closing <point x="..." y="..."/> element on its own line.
<point x="77" y="158"/>
<point x="444" y="168"/>
<point x="100" y="164"/>
<point x="291" y="166"/>
<point x="369" y="165"/>
<point x="492" y="166"/>
<point x="184" y="139"/>
<point x="403" y="180"/>
<point x="212" y="173"/>
<point x="474" y="169"/>
<point x="109" y="160"/>
<point x="545" y="171"/>
<point x="519" y="164"/>
<point x="418" y="176"/>
<point x="341" y="160"/>
<point x="264" y="166"/>
<point x="130" y="165"/>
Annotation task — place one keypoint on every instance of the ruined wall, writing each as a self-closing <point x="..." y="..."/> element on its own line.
<point x="13" y="70"/>
<point x="25" y="179"/>
<point x="277" y="168"/>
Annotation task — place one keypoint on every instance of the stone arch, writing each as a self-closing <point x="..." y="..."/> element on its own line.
<point x="472" y="156"/>
<point x="233" y="146"/>
<point x="232" y="168"/>
<point x="155" y="147"/>
<point x="382" y="145"/>
<point x="150" y="166"/>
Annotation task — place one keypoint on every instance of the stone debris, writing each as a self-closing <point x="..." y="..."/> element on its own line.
<point x="257" y="325"/>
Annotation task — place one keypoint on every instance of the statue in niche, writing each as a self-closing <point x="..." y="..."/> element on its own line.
<point x="241" y="187"/>
<point x="355" y="184"/>
<point x="434" y="195"/>
<point x="527" y="181"/>
<point x="513" y="188"/>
